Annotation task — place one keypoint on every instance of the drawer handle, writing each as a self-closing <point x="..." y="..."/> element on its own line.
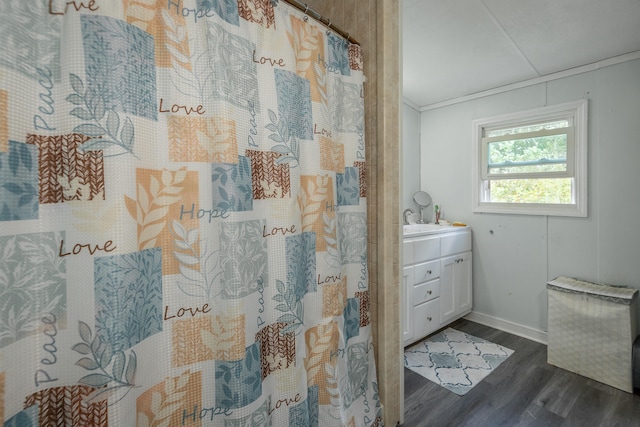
<point x="429" y="319"/>
<point x="429" y="292"/>
<point x="429" y="271"/>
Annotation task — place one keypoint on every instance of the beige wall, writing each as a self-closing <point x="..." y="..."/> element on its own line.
<point x="375" y="25"/>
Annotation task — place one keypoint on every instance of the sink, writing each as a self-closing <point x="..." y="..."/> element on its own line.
<point x="425" y="229"/>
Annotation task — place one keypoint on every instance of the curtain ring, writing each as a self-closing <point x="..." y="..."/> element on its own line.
<point x="306" y="8"/>
<point x="328" y="25"/>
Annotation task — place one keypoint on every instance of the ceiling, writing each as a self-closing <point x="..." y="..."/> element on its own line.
<point x="455" y="48"/>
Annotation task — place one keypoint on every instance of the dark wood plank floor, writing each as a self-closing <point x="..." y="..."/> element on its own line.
<point x="523" y="391"/>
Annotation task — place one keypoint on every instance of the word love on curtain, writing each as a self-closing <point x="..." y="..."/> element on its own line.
<point x="182" y="217"/>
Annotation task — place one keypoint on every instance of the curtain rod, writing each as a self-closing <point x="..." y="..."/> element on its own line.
<point x="308" y="11"/>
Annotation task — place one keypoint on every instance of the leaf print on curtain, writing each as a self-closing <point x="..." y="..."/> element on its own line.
<point x="120" y="66"/>
<point x="104" y="128"/>
<point x="188" y="341"/>
<point x="183" y="228"/>
<point x="225" y="9"/>
<point x="198" y="139"/>
<point x="260" y="417"/>
<point x="234" y="76"/>
<point x="351" y="319"/>
<point x="294" y="105"/>
<point x="307" y="42"/>
<point x="321" y="343"/>
<point x="128" y="297"/>
<point x="4" y="120"/>
<point x="18" y="183"/>
<point x="334" y="298"/>
<point x="317" y="207"/>
<point x="33" y="284"/>
<point x="232" y="186"/>
<point x="352" y="228"/>
<point x="160" y="195"/>
<point x="348" y="184"/>
<point x="30" y="38"/>
<point x="301" y="265"/>
<point x="226" y="340"/>
<point x="25" y="418"/>
<point x="156" y="19"/>
<point x="331" y="155"/>
<point x="338" y="54"/>
<point x="163" y="404"/>
<point x="239" y="382"/>
<point x="348" y="108"/>
<point x="306" y="414"/>
<point x="243" y="258"/>
<point x="112" y="372"/>
<point x="357" y="368"/>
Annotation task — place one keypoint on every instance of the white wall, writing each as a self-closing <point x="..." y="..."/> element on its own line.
<point x="410" y="156"/>
<point x="515" y="255"/>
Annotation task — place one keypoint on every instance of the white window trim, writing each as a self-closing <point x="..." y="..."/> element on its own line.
<point x="579" y="111"/>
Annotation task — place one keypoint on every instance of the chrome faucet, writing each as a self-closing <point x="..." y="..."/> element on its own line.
<point x="405" y="213"/>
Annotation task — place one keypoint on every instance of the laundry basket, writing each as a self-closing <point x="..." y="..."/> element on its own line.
<point x="591" y="329"/>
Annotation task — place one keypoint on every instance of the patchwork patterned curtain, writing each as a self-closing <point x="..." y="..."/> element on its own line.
<point x="182" y="217"/>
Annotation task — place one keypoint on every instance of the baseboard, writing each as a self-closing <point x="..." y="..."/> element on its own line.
<point x="507" y="326"/>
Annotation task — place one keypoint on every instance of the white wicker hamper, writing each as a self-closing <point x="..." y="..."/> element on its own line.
<point x="591" y="329"/>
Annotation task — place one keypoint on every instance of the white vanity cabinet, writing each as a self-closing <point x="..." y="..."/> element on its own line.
<point x="436" y="281"/>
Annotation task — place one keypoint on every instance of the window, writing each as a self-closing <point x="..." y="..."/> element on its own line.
<point x="533" y="162"/>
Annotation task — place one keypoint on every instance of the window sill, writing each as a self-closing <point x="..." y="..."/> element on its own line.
<point x="531" y="209"/>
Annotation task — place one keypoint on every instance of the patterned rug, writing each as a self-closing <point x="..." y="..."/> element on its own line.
<point x="455" y="360"/>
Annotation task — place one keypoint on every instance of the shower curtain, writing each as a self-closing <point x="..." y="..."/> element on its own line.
<point x="182" y="217"/>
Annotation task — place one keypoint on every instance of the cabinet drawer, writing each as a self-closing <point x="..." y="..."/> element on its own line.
<point x="426" y="248"/>
<point x="427" y="271"/>
<point x="455" y="243"/>
<point x="426" y="318"/>
<point x="426" y="291"/>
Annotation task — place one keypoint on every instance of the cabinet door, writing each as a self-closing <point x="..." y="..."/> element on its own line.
<point x="407" y="304"/>
<point x="447" y="290"/>
<point x="455" y="286"/>
<point x="462" y="283"/>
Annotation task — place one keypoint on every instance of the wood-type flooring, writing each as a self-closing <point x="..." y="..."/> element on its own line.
<point x="523" y="391"/>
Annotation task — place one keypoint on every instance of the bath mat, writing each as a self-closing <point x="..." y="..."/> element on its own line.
<point x="455" y="360"/>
